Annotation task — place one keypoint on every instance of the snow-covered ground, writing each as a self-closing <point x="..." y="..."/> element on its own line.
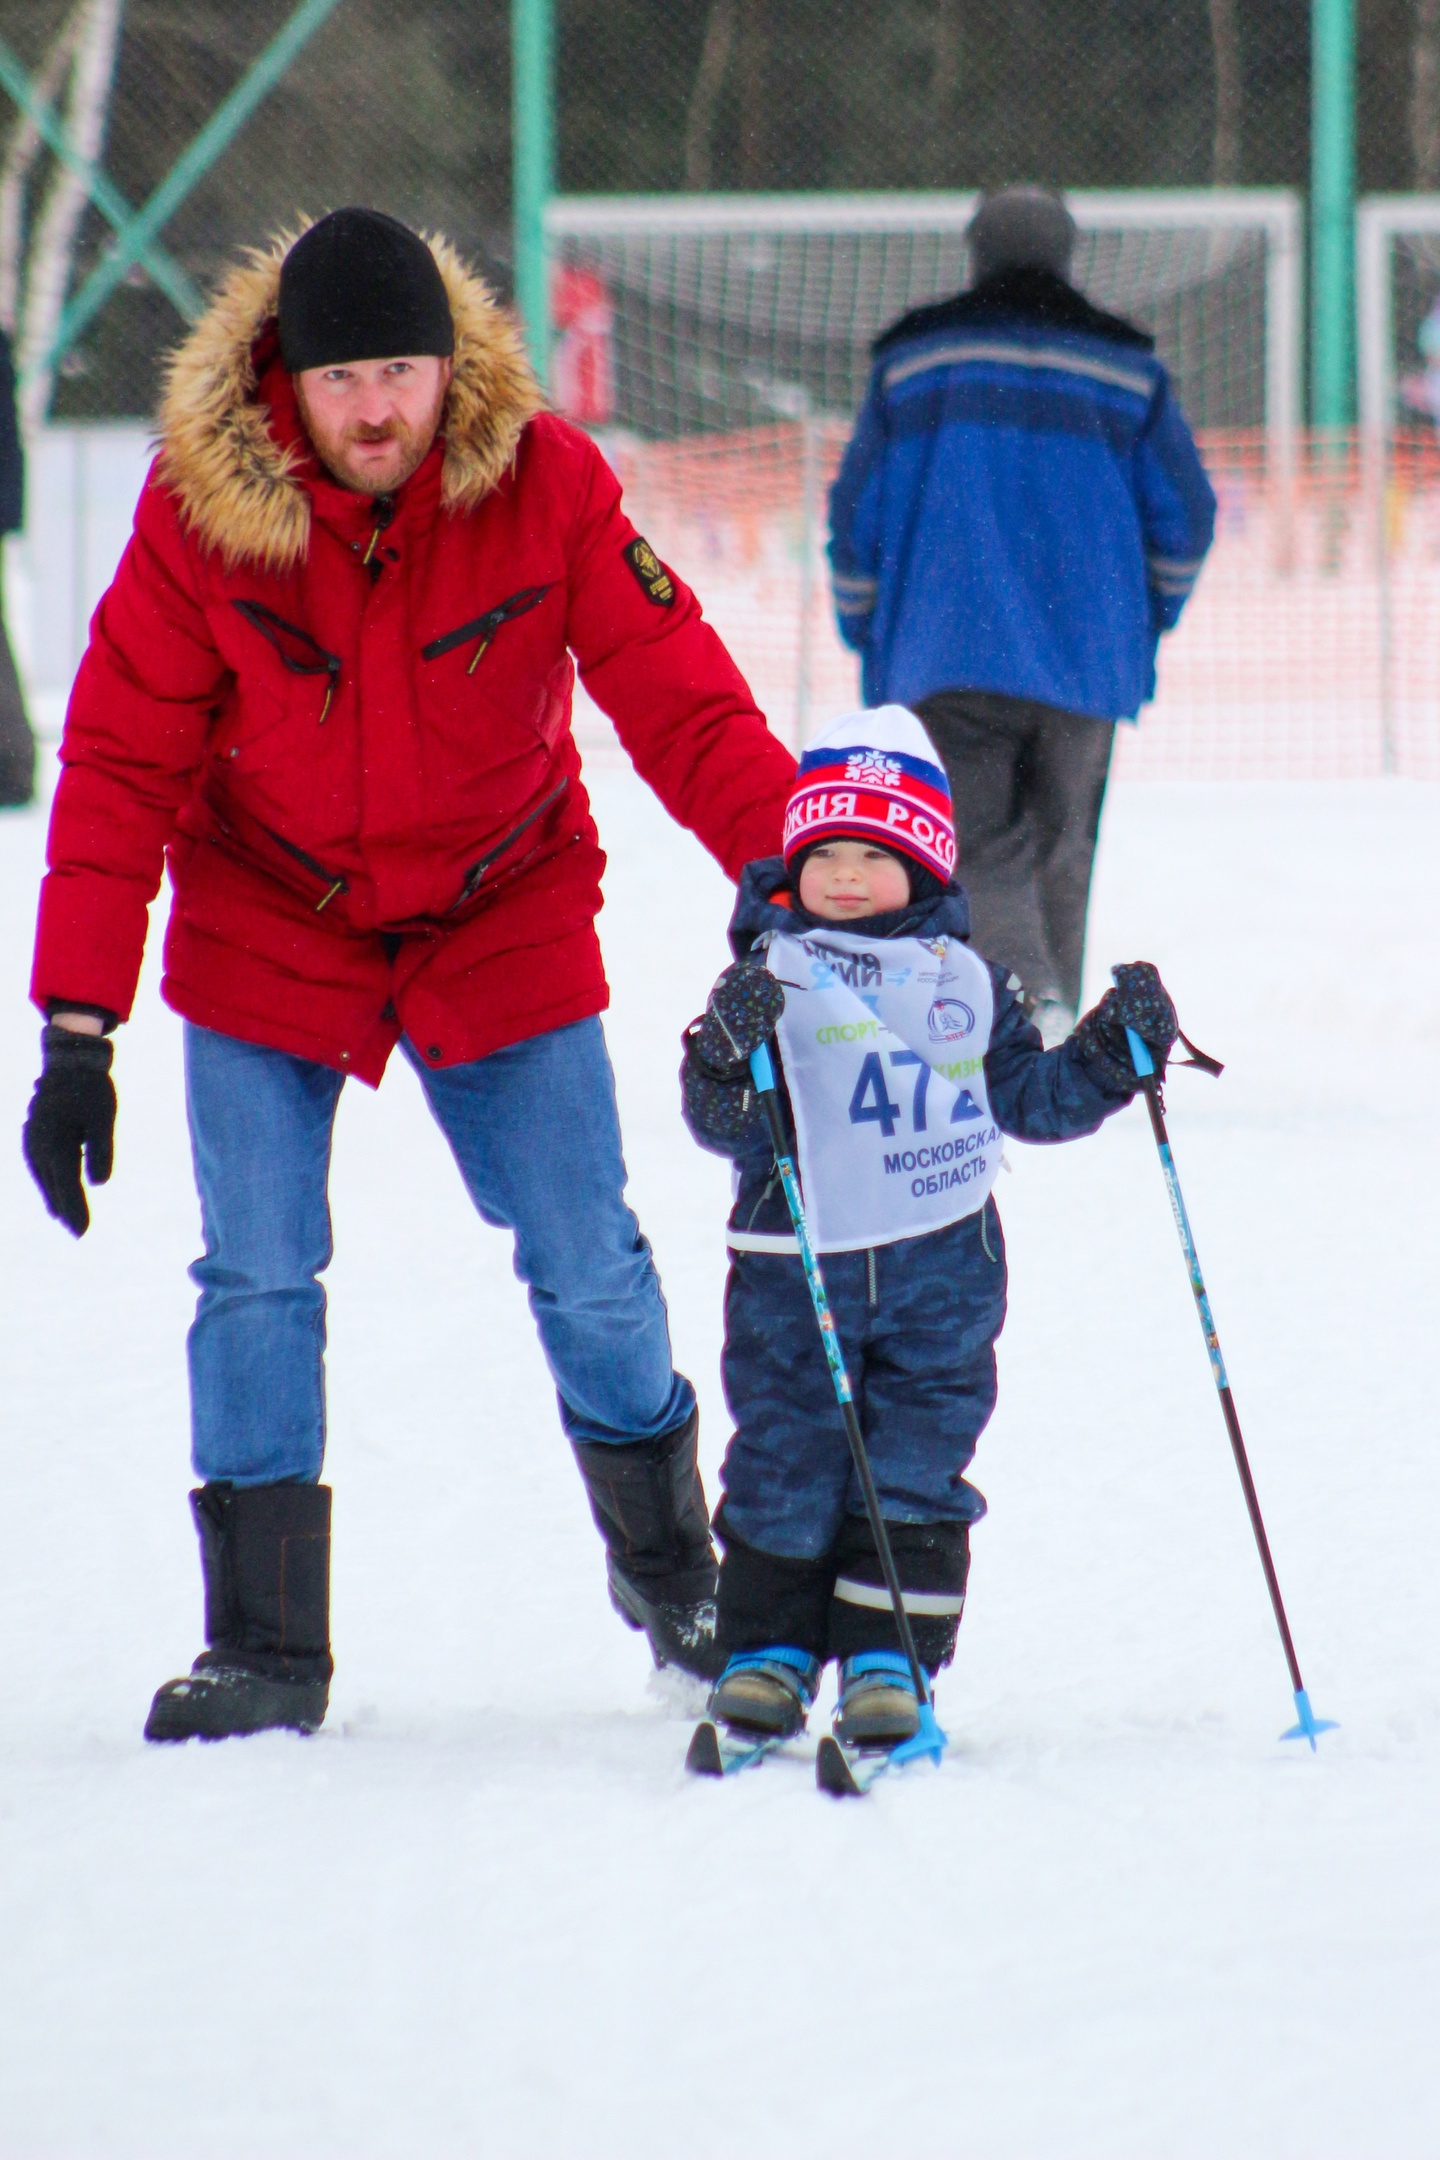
<point x="484" y="1913"/>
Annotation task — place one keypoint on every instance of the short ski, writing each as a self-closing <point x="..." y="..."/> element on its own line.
<point x="844" y="1773"/>
<point x="848" y="1776"/>
<point x="848" y="1773"/>
<point x="716" y="1753"/>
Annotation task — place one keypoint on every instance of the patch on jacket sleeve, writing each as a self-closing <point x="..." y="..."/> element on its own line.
<point x="651" y="575"/>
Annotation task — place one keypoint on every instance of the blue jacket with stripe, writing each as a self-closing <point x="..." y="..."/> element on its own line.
<point x="1021" y="508"/>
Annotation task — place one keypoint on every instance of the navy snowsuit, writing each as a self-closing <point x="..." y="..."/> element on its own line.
<point x="917" y="1321"/>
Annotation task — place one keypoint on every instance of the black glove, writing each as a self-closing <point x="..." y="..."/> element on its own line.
<point x="73" y="1106"/>
<point x="1140" y="1001"/>
<point x="739" y="1015"/>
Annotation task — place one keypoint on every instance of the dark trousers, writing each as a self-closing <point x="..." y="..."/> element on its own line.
<point x="1028" y="782"/>
<point x="17" y="744"/>
<point x="917" y="1321"/>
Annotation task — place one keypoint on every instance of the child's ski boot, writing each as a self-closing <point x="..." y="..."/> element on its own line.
<point x="879" y="1721"/>
<point x="878" y="1704"/>
<point x="766" y="1692"/>
<point x="758" y="1703"/>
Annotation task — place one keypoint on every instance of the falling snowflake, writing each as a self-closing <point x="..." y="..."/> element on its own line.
<point x="870" y="768"/>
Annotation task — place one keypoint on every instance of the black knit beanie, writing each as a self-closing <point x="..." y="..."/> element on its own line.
<point x="361" y="286"/>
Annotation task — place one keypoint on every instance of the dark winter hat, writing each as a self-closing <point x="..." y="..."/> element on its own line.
<point x="361" y="286"/>
<point x="1021" y="228"/>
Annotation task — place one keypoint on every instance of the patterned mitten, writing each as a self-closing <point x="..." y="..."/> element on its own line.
<point x="724" y="1114"/>
<point x="740" y="1014"/>
<point x="1140" y="1001"/>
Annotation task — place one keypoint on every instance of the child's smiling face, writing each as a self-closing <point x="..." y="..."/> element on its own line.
<point x="845" y="879"/>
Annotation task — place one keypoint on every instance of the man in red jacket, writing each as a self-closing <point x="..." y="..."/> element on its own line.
<point x="330" y="688"/>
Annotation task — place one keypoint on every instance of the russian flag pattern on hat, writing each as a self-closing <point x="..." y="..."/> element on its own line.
<point x="874" y="776"/>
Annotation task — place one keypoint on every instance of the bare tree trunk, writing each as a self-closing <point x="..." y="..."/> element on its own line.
<point x="52" y="251"/>
<point x="755" y="165"/>
<point x="1425" y="96"/>
<point x="709" y="82"/>
<point x="20" y="154"/>
<point x="944" y="85"/>
<point x="1225" y="40"/>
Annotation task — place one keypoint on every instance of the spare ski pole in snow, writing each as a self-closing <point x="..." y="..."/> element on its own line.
<point x="1308" y="1725"/>
<point x="929" y="1740"/>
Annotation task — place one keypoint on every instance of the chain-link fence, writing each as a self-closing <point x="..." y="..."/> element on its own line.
<point x="1305" y="649"/>
<point x="405" y="106"/>
<point x="408" y="107"/>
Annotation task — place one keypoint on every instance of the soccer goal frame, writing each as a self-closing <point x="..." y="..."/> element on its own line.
<point x="1379" y="220"/>
<point x="1274" y="211"/>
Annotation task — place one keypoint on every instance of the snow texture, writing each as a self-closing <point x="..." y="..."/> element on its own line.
<point x="484" y="1912"/>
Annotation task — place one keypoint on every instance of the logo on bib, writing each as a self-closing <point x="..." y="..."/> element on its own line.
<point x="949" y="1020"/>
<point x="858" y="971"/>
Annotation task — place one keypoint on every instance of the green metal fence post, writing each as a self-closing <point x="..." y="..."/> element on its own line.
<point x="532" y="66"/>
<point x="188" y="170"/>
<point x="1332" y="211"/>
<point x="182" y="292"/>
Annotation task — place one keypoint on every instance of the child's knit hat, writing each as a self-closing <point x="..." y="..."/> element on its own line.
<point x="874" y="776"/>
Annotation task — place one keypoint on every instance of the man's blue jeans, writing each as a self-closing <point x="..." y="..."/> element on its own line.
<point x="535" y="1132"/>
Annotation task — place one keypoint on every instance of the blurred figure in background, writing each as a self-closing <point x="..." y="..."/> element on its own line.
<point x="1020" y="513"/>
<point x="17" y="744"/>
<point x="1420" y="389"/>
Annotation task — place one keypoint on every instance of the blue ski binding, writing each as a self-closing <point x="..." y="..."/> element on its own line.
<point x="848" y="1774"/>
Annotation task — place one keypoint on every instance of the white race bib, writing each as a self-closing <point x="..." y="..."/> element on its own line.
<point x="884" y="1043"/>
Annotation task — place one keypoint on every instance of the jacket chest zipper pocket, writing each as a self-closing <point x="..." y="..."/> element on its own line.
<point x="485" y="626"/>
<point x="299" y="653"/>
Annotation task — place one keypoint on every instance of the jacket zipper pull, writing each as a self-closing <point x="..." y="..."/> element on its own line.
<point x="384" y="512"/>
<point x="332" y="671"/>
<point x="337" y="887"/>
<point x="480" y="651"/>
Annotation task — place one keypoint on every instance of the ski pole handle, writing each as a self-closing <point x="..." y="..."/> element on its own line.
<point x="1140" y="1056"/>
<point x="762" y="1072"/>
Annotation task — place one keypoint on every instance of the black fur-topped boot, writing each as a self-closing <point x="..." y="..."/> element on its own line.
<point x="649" y="1506"/>
<point x="265" y="1552"/>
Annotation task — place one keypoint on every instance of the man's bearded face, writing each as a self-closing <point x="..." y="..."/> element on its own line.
<point x="372" y="421"/>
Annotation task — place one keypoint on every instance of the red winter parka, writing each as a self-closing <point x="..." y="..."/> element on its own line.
<point x="350" y="734"/>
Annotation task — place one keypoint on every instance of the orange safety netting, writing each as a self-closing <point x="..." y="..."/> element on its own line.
<point x="1310" y="650"/>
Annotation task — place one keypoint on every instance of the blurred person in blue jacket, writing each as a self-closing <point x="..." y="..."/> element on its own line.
<point x="17" y="744"/>
<point x="1020" y="513"/>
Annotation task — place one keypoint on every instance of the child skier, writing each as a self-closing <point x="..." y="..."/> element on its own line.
<point x="905" y="1058"/>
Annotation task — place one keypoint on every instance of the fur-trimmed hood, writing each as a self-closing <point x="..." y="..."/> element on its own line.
<point x="236" y="482"/>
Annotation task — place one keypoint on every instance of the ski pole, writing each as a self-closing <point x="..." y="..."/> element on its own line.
<point x="1308" y="1725"/>
<point x="929" y="1740"/>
